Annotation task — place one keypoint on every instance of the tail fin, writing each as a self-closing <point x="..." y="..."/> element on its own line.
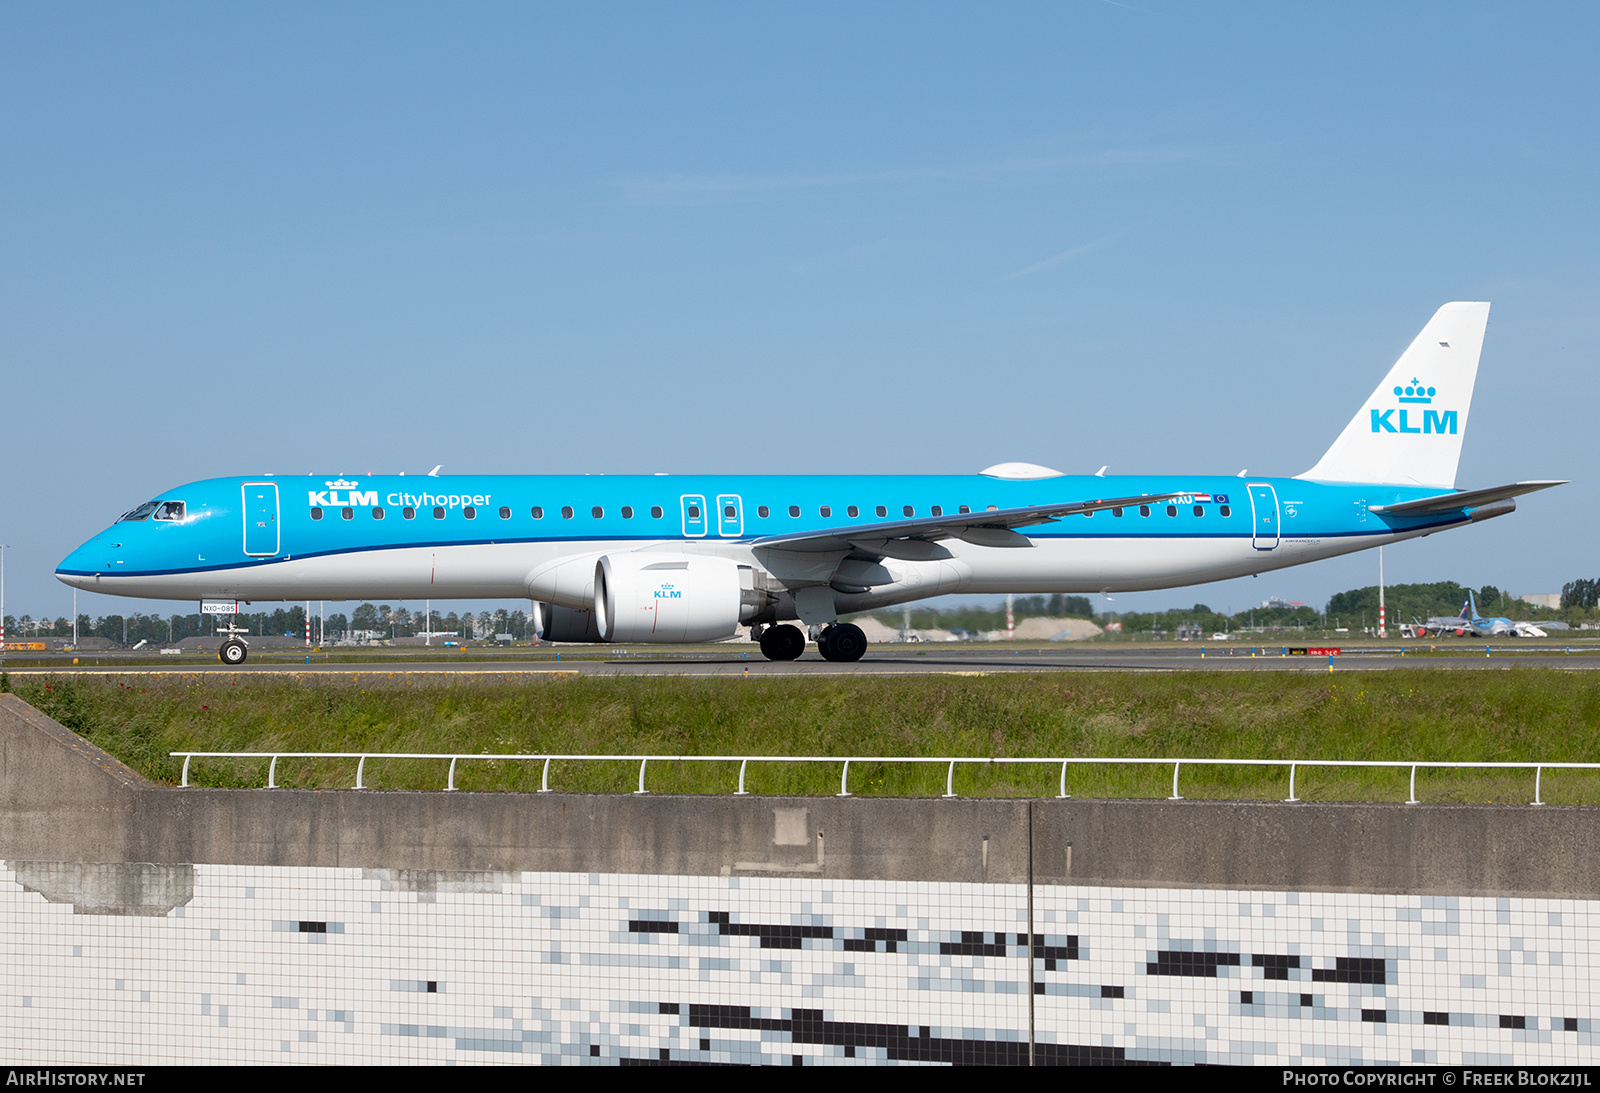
<point x="1409" y="432"/>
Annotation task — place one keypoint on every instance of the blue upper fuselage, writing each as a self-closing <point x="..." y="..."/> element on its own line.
<point x="236" y="523"/>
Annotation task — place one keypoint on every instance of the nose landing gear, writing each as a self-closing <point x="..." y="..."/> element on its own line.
<point x="233" y="649"/>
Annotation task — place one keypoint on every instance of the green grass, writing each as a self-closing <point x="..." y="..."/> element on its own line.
<point x="1524" y="715"/>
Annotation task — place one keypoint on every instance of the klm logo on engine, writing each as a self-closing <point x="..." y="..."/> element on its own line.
<point x="1399" y="420"/>
<point x="353" y="498"/>
<point x="667" y="592"/>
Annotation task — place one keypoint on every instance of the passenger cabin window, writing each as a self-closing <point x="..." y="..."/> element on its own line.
<point x="170" y="510"/>
<point x="347" y="514"/>
<point x="1199" y="510"/>
<point x="1144" y="510"/>
<point x="597" y="512"/>
<point x="409" y="513"/>
<point x="377" y="513"/>
<point x="763" y="512"/>
<point x="826" y="511"/>
<point x="1117" y="511"/>
<point x="566" y="512"/>
<point x="316" y="514"/>
<point x="853" y="512"/>
<point x="881" y="511"/>
<point x="505" y="513"/>
<point x="1225" y="511"/>
<point x="964" y="509"/>
<point x="538" y="513"/>
<point x="909" y="510"/>
<point x="655" y="512"/>
<point x="627" y="512"/>
<point x="438" y="512"/>
<point x="141" y="513"/>
<point x="937" y="510"/>
<point x="794" y="510"/>
<point x="1172" y="510"/>
<point x="470" y="512"/>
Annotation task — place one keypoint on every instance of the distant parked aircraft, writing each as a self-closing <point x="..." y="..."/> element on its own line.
<point x="1496" y="627"/>
<point x="1471" y="624"/>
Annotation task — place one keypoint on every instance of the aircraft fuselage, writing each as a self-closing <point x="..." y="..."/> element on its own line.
<point x="501" y="536"/>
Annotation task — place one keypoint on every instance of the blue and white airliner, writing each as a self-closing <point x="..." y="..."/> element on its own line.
<point x="691" y="558"/>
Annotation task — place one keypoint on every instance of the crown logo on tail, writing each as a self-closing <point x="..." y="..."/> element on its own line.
<point x="1415" y="392"/>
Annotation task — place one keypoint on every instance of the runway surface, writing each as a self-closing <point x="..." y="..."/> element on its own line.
<point x="881" y="660"/>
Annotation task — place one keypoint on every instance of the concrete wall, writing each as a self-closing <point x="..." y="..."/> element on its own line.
<point x="63" y="800"/>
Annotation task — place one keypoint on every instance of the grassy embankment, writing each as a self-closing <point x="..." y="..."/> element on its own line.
<point x="1518" y="715"/>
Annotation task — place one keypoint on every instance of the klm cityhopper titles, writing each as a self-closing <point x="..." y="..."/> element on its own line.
<point x="690" y="558"/>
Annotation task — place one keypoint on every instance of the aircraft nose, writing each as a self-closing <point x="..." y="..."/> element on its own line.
<point x="79" y="568"/>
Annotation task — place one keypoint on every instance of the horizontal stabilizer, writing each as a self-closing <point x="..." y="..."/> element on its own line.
<point x="1466" y="499"/>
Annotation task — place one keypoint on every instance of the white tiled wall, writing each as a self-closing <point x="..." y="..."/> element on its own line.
<point x="340" y="965"/>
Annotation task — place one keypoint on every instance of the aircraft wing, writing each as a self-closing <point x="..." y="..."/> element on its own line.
<point x="913" y="539"/>
<point x="1465" y="499"/>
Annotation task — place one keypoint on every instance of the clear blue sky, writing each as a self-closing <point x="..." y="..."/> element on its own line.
<point x="807" y="238"/>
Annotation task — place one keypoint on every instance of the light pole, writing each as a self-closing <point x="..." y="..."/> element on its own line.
<point x="3" y="596"/>
<point x="1381" y="613"/>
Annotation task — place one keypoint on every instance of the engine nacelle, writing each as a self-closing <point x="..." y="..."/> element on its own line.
<point x="553" y="622"/>
<point x="645" y="596"/>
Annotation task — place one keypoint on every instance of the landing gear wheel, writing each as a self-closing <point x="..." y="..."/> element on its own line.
<point x="782" y="642"/>
<point x="233" y="651"/>
<point x="842" y="642"/>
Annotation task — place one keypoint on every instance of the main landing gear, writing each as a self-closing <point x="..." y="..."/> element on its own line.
<point x="842" y="642"/>
<point x="782" y="642"/>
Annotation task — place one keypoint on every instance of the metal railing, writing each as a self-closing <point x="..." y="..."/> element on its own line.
<point x="744" y="762"/>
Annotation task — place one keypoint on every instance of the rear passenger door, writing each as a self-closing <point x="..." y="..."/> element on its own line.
<point x="1264" y="516"/>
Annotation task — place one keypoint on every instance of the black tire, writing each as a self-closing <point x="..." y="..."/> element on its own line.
<point x="782" y="642"/>
<point x="842" y="642"/>
<point x="233" y="651"/>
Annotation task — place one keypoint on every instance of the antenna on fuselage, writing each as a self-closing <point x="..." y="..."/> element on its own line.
<point x="435" y="472"/>
<point x="1101" y="473"/>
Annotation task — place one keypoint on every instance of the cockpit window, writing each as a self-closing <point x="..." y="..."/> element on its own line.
<point x="170" y="510"/>
<point x="141" y="513"/>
